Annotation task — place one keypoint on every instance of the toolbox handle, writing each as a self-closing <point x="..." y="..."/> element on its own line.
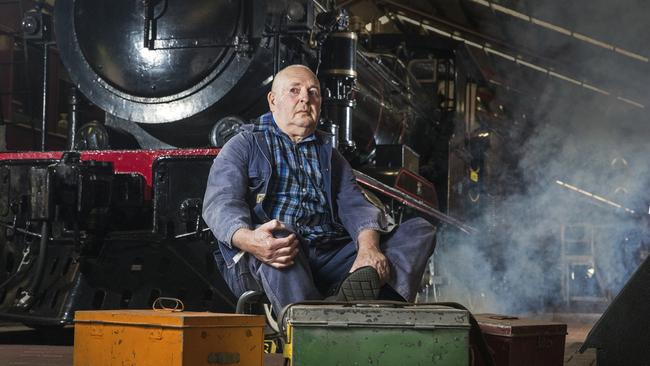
<point x="159" y="304"/>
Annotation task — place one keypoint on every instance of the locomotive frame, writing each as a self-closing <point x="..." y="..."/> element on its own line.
<point x="119" y="228"/>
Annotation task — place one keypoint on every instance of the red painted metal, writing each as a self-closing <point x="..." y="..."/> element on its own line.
<point x="124" y="161"/>
<point x="141" y="162"/>
<point x="426" y="189"/>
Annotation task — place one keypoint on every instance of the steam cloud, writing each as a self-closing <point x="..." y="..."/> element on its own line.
<point x="597" y="143"/>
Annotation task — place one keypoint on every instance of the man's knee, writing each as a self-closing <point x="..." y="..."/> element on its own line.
<point x="298" y="271"/>
<point x="419" y="223"/>
<point x="288" y="285"/>
<point x="238" y="276"/>
<point x="416" y="232"/>
<point x="417" y="226"/>
<point x="293" y="272"/>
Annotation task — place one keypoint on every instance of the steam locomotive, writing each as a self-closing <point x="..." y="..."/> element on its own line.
<point x="114" y="222"/>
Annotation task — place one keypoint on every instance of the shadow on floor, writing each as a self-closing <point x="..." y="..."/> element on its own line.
<point x="20" y="334"/>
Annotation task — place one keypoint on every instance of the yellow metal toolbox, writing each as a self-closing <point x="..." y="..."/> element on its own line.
<point x="167" y="338"/>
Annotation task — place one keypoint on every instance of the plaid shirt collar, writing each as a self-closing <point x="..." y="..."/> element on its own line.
<point x="267" y="122"/>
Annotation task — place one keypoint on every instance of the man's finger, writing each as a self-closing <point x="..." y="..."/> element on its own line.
<point x="281" y="266"/>
<point x="271" y="225"/>
<point x="281" y="262"/>
<point x="383" y="275"/>
<point x="384" y="271"/>
<point x="285" y="259"/>
<point x="295" y="252"/>
<point x="286" y="251"/>
<point x="277" y="243"/>
<point x="286" y="240"/>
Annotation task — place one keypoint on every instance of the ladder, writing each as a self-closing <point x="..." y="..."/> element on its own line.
<point x="581" y="281"/>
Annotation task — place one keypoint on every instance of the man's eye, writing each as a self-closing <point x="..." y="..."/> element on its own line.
<point x="294" y="91"/>
<point x="314" y="92"/>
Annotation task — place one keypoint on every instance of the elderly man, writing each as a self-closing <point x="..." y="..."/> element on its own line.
<point x="290" y="219"/>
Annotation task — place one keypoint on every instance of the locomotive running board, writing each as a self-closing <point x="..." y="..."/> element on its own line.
<point x="410" y="201"/>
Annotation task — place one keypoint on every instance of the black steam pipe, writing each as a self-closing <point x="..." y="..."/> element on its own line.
<point x="73" y="102"/>
<point x="46" y="47"/>
<point x="276" y="54"/>
<point x="148" y="20"/>
<point x="2" y="116"/>
<point x="28" y="82"/>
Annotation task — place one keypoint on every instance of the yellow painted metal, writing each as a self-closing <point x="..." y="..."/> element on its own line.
<point x="287" y="351"/>
<point x="163" y="338"/>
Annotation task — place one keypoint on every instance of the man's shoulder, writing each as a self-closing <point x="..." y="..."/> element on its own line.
<point x="323" y="136"/>
<point x="256" y="126"/>
<point x="245" y="140"/>
<point x="239" y="144"/>
<point x="249" y="130"/>
<point x="244" y="134"/>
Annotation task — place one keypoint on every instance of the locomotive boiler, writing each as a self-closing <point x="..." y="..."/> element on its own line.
<point x="108" y="228"/>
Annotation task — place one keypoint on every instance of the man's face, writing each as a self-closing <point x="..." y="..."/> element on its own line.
<point x="295" y="102"/>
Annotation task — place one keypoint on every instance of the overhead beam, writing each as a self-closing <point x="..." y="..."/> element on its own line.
<point x="517" y="59"/>
<point x="558" y="29"/>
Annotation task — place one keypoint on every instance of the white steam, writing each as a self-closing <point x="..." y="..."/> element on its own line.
<point x="596" y="143"/>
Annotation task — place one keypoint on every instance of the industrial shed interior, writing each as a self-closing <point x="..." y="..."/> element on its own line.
<point x="515" y="127"/>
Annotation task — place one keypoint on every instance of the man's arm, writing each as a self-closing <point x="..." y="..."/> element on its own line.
<point x="225" y="209"/>
<point x="355" y="212"/>
<point x="227" y="213"/>
<point x="360" y="218"/>
<point x="369" y="254"/>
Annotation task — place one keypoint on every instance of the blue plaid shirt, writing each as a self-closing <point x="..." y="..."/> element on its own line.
<point x="296" y="195"/>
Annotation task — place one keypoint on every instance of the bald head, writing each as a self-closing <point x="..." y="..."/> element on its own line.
<point x="287" y="71"/>
<point x="295" y="101"/>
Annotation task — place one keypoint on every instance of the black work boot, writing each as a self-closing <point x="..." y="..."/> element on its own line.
<point x="361" y="285"/>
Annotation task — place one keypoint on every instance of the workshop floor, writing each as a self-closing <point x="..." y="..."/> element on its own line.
<point x="22" y="346"/>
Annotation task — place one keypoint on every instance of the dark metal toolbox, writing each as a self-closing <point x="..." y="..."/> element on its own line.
<point x="518" y="341"/>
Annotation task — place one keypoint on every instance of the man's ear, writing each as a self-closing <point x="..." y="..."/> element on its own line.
<point x="270" y="97"/>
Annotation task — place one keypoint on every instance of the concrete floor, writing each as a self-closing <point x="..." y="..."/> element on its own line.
<point x="577" y="332"/>
<point x="22" y="346"/>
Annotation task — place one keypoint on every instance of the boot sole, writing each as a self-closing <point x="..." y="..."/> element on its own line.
<point x="360" y="285"/>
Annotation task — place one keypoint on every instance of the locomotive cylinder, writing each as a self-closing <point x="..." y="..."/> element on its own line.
<point x="338" y="75"/>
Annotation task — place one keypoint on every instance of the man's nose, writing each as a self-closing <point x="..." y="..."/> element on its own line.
<point x="304" y="95"/>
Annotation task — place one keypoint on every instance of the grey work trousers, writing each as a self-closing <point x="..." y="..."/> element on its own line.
<point x="319" y="268"/>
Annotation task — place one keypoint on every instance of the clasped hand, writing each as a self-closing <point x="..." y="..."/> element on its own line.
<point x="278" y="252"/>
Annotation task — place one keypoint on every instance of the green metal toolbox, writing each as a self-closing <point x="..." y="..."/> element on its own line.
<point x="377" y="334"/>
